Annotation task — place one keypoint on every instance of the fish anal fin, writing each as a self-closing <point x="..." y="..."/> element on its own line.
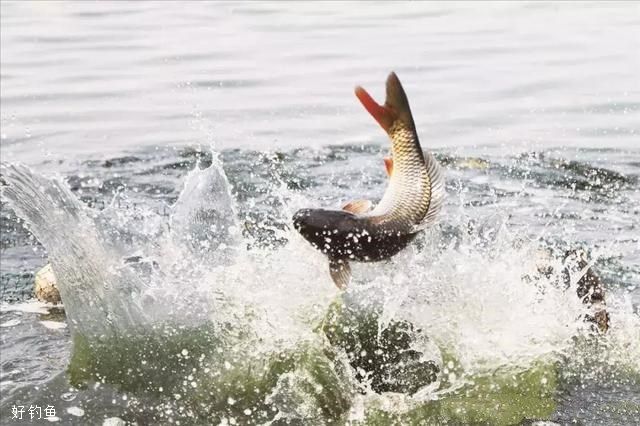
<point x="358" y="206"/>
<point x="340" y="271"/>
<point x="388" y="165"/>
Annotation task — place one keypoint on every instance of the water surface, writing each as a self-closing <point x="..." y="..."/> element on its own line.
<point x="532" y="108"/>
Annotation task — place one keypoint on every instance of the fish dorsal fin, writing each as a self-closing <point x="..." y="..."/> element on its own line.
<point x="388" y="165"/>
<point x="340" y="271"/>
<point x="437" y="191"/>
<point x="358" y="206"/>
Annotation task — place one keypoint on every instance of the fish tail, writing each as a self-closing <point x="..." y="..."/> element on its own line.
<point x="396" y="106"/>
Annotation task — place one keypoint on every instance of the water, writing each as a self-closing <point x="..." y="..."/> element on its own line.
<point x="533" y="109"/>
<point x="271" y="75"/>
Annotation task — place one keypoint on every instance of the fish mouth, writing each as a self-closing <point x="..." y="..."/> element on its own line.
<point x="299" y="219"/>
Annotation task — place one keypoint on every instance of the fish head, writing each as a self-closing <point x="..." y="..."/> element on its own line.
<point x="325" y="229"/>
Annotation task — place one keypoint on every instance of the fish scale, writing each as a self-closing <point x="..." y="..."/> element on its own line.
<point x="408" y="196"/>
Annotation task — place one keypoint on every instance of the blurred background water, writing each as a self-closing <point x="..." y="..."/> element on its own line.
<point x="83" y="78"/>
<point x="533" y="109"/>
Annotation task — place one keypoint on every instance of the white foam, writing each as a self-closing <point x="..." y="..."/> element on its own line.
<point x="468" y="294"/>
<point x="54" y="325"/>
<point x="75" y="411"/>
<point x="31" y="306"/>
<point x="10" y="323"/>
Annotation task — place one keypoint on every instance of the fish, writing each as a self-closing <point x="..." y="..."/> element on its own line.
<point x="412" y="201"/>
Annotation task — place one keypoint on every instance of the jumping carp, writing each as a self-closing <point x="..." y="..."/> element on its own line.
<point x="414" y="196"/>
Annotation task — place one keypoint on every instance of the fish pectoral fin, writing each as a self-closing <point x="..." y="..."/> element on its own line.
<point x="388" y="165"/>
<point x="340" y="271"/>
<point x="358" y="206"/>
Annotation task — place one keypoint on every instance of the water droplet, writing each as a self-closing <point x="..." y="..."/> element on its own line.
<point x="75" y="411"/>
<point x="68" y="396"/>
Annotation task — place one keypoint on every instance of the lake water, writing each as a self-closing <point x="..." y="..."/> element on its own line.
<point x="84" y="78"/>
<point x="532" y="108"/>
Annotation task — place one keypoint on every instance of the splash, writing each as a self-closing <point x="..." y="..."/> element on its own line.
<point x="95" y="287"/>
<point x="242" y="326"/>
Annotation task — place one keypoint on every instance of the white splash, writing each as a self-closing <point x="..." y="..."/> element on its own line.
<point x="467" y="291"/>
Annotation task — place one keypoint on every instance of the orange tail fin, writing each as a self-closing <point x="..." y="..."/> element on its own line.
<point x="396" y="105"/>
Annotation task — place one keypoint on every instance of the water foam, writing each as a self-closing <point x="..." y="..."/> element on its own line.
<point x="476" y="291"/>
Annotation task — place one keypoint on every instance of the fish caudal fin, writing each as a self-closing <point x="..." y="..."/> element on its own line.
<point x="340" y="271"/>
<point x="396" y="105"/>
<point x="358" y="206"/>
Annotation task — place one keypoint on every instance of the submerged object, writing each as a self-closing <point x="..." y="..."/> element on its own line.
<point x="589" y="288"/>
<point x="386" y="357"/>
<point x="577" y="273"/>
<point x="46" y="289"/>
<point x="415" y="194"/>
